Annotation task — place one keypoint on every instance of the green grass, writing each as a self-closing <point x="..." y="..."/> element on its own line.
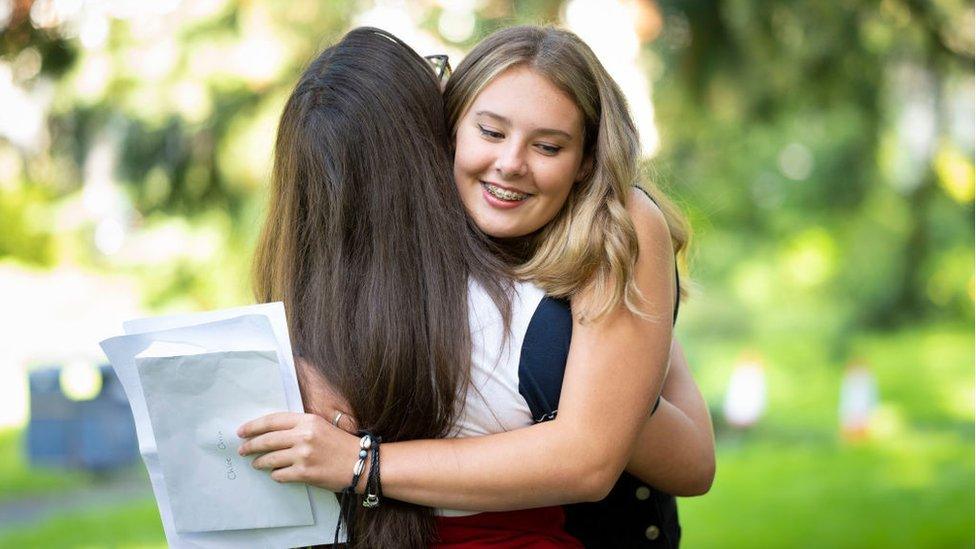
<point x="17" y="478"/>
<point x="915" y="492"/>
<point x="134" y="525"/>
<point x="791" y="482"/>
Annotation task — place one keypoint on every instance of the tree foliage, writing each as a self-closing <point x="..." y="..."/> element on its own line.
<point x="816" y="145"/>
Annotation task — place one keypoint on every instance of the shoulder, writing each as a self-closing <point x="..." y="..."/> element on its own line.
<point x="654" y="270"/>
<point x="649" y="222"/>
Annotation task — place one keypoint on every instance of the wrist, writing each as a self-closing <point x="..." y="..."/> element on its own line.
<point x="360" y="462"/>
<point x="360" y="487"/>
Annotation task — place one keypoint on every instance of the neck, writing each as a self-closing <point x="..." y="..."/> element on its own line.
<point x="517" y="250"/>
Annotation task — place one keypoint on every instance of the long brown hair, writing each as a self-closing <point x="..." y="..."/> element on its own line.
<point x="591" y="242"/>
<point x="368" y="245"/>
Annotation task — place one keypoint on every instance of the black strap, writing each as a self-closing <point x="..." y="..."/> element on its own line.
<point x="677" y="281"/>
<point x="374" y="488"/>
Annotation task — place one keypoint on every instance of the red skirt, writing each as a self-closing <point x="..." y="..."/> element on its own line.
<point x="540" y="528"/>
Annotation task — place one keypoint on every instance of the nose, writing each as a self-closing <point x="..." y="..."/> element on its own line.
<point x="511" y="161"/>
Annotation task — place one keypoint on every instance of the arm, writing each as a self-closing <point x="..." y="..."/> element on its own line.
<point x="675" y="450"/>
<point x="578" y="456"/>
<point x="606" y="392"/>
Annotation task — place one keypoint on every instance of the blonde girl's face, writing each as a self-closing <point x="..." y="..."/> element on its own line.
<point x="519" y="150"/>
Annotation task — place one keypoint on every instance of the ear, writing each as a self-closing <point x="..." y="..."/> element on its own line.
<point x="585" y="169"/>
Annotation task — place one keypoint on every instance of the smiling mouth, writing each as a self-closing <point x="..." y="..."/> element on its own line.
<point x="504" y="194"/>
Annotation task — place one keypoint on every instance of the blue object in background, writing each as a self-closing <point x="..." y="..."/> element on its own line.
<point x="97" y="434"/>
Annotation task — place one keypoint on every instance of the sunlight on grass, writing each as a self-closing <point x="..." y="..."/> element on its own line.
<point x="799" y="495"/>
<point x="792" y="482"/>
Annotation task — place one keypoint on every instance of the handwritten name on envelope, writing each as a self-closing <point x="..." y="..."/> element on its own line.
<point x="196" y="402"/>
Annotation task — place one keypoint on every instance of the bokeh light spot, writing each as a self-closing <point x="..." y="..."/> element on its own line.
<point x="796" y="161"/>
<point x="811" y="258"/>
<point x="457" y="25"/>
<point x="955" y="173"/>
<point x="80" y="381"/>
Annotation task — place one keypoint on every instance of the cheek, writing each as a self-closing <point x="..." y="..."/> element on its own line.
<point x="470" y="158"/>
<point x="557" y="179"/>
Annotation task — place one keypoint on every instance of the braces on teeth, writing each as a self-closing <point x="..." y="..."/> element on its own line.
<point x="505" y="194"/>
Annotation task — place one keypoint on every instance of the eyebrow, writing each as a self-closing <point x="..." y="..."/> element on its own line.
<point x="506" y="121"/>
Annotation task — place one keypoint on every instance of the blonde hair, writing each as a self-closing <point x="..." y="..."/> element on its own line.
<point x="592" y="241"/>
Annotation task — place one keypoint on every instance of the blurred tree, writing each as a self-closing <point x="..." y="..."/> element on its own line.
<point x="816" y="145"/>
<point x="776" y="117"/>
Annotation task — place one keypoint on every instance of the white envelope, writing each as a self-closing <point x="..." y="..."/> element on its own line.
<point x="255" y="327"/>
<point x="196" y="403"/>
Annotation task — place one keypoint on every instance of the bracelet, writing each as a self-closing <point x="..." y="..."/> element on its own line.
<point x="347" y="507"/>
<point x="357" y="471"/>
<point x="373" y="489"/>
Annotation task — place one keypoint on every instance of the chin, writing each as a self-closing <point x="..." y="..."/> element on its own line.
<point x="500" y="233"/>
<point x="499" y="230"/>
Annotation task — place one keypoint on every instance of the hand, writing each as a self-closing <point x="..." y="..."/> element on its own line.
<point x="301" y="448"/>
<point x="322" y="399"/>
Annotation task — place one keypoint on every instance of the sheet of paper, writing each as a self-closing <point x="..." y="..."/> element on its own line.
<point x="196" y="402"/>
<point x="256" y="327"/>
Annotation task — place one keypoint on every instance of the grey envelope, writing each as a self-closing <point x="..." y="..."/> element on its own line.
<point x="196" y="403"/>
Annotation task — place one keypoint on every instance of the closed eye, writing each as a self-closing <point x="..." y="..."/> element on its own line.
<point x="490" y="133"/>
<point x="548" y="149"/>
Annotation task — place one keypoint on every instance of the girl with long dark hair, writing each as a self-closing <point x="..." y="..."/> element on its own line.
<point x="371" y="252"/>
<point x="568" y="225"/>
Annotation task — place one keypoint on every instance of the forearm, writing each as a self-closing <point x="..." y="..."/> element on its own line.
<point x="675" y="450"/>
<point x="673" y="454"/>
<point x="514" y="470"/>
<point x="577" y="456"/>
<point x="528" y="467"/>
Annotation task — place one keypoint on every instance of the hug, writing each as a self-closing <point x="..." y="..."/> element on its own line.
<point x="482" y="292"/>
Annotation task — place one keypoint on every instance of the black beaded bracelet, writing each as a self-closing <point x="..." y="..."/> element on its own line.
<point x="373" y="489"/>
<point x="347" y="506"/>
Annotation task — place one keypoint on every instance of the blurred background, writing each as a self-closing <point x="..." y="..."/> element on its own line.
<point x="823" y="151"/>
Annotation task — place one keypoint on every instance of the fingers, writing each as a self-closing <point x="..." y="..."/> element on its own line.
<point x="289" y="474"/>
<point x="278" y="421"/>
<point x="346" y="422"/>
<point x="284" y="466"/>
<point x="274" y="460"/>
<point x="338" y="418"/>
<point x="343" y="421"/>
<point x="268" y="442"/>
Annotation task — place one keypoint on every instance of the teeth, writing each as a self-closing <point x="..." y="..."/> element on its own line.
<point x="504" y="194"/>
